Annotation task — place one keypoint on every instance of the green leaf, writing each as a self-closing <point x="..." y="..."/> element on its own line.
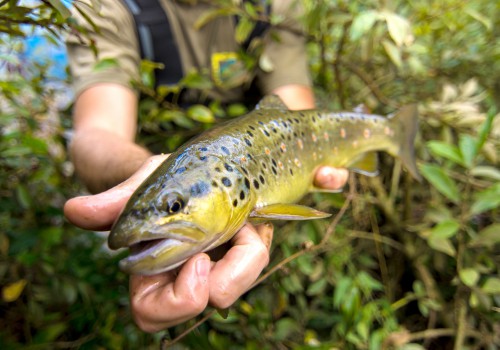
<point x="444" y="230"/>
<point x="284" y="327"/>
<point x="243" y="29"/>
<point x="195" y="80"/>
<point x="468" y="149"/>
<point x="23" y="196"/>
<point x="105" y="63"/>
<point x="491" y="286"/>
<point x="487" y="237"/>
<point x="486" y="200"/>
<point x="487" y="172"/>
<point x="445" y="150"/>
<point x="363" y="23"/>
<point x="441" y="181"/>
<point x="236" y="109"/>
<point x="486" y="128"/>
<point x="59" y="6"/>
<point x="393" y="52"/>
<point x="469" y="276"/>
<point x="442" y="245"/>
<point x="201" y="114"/>
<point x="399" y="27"/>
<point x="341" y="290"/>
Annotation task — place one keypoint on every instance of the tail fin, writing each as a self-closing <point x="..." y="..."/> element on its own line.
<point x="407" y="118"/>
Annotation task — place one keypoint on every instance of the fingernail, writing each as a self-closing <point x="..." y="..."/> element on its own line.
<point x="203" y="266"/>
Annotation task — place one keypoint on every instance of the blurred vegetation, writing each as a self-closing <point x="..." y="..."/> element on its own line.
<point x="404" y="265"/>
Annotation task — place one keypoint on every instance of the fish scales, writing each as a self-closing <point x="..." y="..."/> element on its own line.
<point x="253" y="167"/>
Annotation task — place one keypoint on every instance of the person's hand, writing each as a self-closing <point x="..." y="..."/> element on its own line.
<point x="172" y="297"/>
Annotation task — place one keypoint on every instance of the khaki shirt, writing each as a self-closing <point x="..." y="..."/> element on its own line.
<point x="117" y="39"/>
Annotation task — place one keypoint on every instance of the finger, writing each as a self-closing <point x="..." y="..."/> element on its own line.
<point x="239" y="268"/>
<point x="98" y="212"/>
<point x="163" y="300"/>
<point x="331" y="178"/>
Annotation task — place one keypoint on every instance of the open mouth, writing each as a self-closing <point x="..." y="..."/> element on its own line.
<point x="150" y="248"/>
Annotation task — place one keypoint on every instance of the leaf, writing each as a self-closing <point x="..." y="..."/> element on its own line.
<point x="105" y="63"/>
<point x="486" y="128"/>
<point x="211" y="15"/>
<point x="486" y="171"/>
<point x="491" y="286"/>
<point x="398" y="26"/>
<point x="12" y="291"/>
<point x="487" y="237"/>
<point x="442" y="245"/>
<point x="284" y="327"/>
<point x="59" y="6"/>
<point x="444" y="230"/>
<point x="441" y="181"/>
<point x="393" y="52"/>
<point x="445" y="150"/>
<point x="469" y="276"/>
<point x="486" y="200"/>
<point x="201" y="114"/>
<point x="468" y="149"/>
<point x="363" y="23"/>
<point x="265" y="63"/>
<point x="23" y="196"/>
<point x="243" y="29"/>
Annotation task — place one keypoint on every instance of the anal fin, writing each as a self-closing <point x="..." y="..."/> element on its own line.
<point x="367" y="164"/>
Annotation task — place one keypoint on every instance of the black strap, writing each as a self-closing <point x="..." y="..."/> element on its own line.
<point x="156" y="39"/>
<point x="260" y="27"/>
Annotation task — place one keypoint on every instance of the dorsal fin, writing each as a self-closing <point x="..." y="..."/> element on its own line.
<point x="271" y="102"/>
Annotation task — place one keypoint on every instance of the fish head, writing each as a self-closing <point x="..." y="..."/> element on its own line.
<point x="172" y="218"/>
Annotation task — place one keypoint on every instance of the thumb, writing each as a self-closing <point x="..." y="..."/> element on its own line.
<point x="98" y="212"/>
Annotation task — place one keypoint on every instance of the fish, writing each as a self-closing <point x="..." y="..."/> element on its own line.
<point x="253" y="168"/>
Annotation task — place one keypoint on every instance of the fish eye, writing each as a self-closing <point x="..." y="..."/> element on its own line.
<point x="174" y="205"/>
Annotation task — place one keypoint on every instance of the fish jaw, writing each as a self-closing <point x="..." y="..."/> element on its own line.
<point x="164" y="247"/>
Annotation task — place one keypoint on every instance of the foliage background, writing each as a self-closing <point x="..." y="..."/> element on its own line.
<point x="405" y="265"/>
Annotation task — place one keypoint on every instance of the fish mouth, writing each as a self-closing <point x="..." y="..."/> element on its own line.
<point x="163" y="250"/>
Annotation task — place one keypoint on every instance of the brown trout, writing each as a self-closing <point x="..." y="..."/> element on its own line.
<point x="251" y="168"/>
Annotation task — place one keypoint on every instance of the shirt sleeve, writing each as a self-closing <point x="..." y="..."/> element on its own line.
<point x="285" y="47"/>
<point x="115" y="39"/>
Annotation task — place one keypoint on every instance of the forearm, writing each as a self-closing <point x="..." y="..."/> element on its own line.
<point x="102" y="159"/>
<point x="103" y="149"/>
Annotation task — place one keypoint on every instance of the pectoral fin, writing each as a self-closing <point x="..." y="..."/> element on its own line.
<point x="366" y="165"/>
<point x="287" y="212"/>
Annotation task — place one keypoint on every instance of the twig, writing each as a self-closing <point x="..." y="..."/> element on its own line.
<point x="381" y="257"/>
<point x="165" y="343"/>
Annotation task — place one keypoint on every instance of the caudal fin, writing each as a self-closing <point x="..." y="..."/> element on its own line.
<point x="407" y="118"/>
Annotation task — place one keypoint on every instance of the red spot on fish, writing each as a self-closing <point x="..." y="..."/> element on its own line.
<point x="325" y="136"/>
<point x="283" y="147"/>
<point x="267" y="150"/>
<point x="300" y="143"/>
<point x="342" y="133"/>
<point x="367" y="133"/>
<point x="314" y="138"/>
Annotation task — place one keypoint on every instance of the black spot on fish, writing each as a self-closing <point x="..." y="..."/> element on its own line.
<point x="226" y="182"/>
<point x="203" y="158"/>
<point x="249" y="156"/>
<point x="264" y="165"/>
<point x="214" y="184"/>
<point x="261" y="178"/>
<point x="136" y="213"/>
<point x="225" y="150"/>
<point x="261" y="123"/>
<point x="145" y="210"/>
<point x="217" y="169"/>
<point x="256" y="184"/>
<point x="228" y="167"/>
<point x="289" y="137"/>
<point x="274" y="170"/>
<point x="302" y="133"/>
<point x="247" y="183"/>
<point x="163" y="185"/>
<point x="295" y="134"/>
<point x="244" y="170"/>
<point x="297" y="120"/>
<point x="274" y="130"/>
<point x="291" y="171"/>
<point x="242" y="195"/>
<point x="199" y="189"/>
<point x="266" y="133"/>
<point x="247" y="141"/>
<point x="283" y="123"/>
<point x="313" y="119"/>
<point x="274" y="162"/>
<point x="250" y="133"/>
<point x="203" y="149"/>
<point x="181" y="170"/>
<point x="251" y="127"/>
<point x="235" y="203"/>
<point x="320" y="116"/>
